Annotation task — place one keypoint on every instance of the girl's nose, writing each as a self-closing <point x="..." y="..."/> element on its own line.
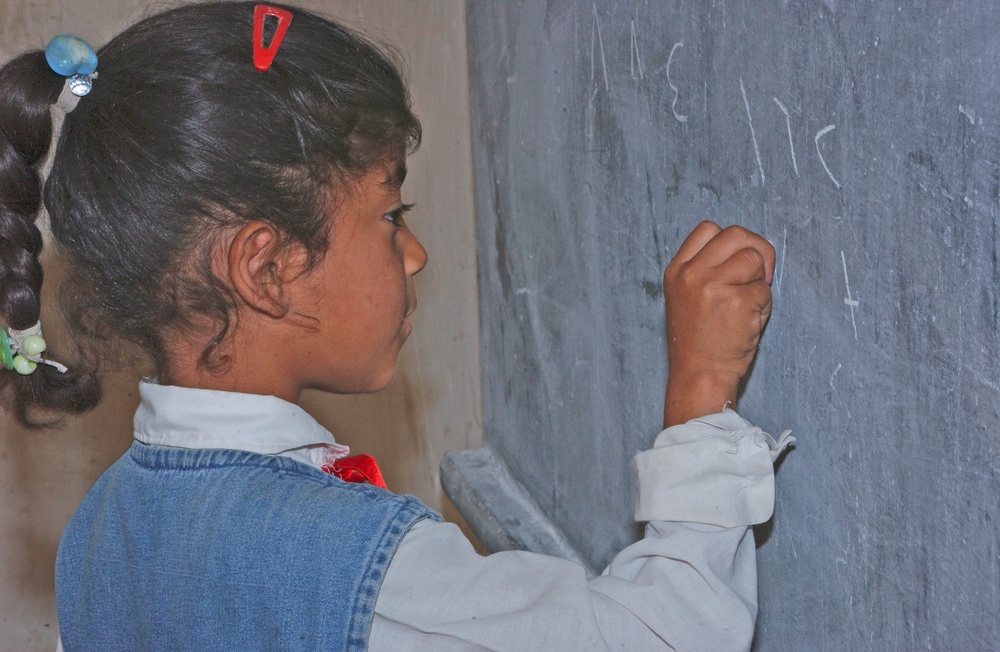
<point x="414" y="256"/>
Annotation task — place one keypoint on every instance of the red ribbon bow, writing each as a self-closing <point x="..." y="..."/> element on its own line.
<point x="356" y="468"/>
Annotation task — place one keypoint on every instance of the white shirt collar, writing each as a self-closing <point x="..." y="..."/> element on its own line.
<point x="184" y="417"/>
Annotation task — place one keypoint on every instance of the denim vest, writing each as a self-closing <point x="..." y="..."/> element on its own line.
<point x="211" y="549"/>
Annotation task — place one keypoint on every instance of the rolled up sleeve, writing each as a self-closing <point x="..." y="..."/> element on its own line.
<point x="689" y="584"/>
<point x="718" y="470"/>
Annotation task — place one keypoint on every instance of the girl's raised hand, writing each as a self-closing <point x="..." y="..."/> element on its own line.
<point x="718" y="298"/>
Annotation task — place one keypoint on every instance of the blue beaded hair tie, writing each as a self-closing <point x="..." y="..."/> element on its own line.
<point x="71" y="57"/>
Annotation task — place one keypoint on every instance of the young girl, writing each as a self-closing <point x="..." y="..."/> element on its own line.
<point x="226" y="188"/>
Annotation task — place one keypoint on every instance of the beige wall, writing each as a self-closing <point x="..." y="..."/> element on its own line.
<point x="434" y="405"/>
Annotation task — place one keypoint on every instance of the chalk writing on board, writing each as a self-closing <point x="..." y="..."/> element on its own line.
<point x="969" y="114"/>
<point x="596" y="30"/>
<point x="833" y="377"/>
<point x="756" y="149"/>
<point x="836" y="391"/>
<point x="822" y="132"/>
<point x="637" y="72"/>
<point x="590" y="110"/>
<point x="673" y="105"/>
<point x="784" y="248"/>
<point x="635" y="60"/>
<point x="850" y="301"/>
<point x="788" y="123"/>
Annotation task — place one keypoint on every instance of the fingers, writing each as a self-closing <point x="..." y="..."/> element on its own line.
<point x="731" y="243"/>
<point x="696" y="241"/>
<point x="758" y="299"/>
<point x="744" y="266"/>
<point x="750" y="306"/>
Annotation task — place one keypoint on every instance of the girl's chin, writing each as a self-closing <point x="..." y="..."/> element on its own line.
<point x="368" y="384"/>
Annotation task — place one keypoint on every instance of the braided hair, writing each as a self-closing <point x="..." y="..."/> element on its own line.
<point x="27" y="90"/>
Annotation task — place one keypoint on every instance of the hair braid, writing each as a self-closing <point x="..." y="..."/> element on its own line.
<point x="27" y="89"/>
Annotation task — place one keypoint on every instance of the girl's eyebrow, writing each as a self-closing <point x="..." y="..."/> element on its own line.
<point x="396" y="176"/>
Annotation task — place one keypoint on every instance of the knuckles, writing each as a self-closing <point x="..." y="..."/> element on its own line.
<point x="747" y="239"/>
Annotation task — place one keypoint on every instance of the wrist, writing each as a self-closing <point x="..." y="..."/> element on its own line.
<point x="692" y="394"/>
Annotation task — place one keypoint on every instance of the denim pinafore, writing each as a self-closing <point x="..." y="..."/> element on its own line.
<point x="212" y="549"/>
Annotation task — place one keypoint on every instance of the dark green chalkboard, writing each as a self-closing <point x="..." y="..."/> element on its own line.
<point x="863" y="140"/>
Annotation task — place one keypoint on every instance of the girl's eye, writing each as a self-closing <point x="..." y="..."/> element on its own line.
<point x="396" y="216"/>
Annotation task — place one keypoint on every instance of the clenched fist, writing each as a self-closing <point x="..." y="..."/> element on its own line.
<point x="718" y="298"/>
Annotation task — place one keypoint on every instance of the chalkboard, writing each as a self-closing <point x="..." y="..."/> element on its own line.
<point x="863" y="140"/>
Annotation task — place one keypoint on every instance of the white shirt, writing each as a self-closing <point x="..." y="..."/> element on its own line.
<point x="690" y="584"/>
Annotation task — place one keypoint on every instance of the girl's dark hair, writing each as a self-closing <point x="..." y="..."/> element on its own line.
<point x="180" y="138"/>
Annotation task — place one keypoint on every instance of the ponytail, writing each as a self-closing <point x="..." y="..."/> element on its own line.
<point x="28" y="88"/>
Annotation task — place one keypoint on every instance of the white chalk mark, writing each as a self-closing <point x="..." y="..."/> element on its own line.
<point x="677" y="94"/>
<point x="590" y="108"/>
<point x="850" y="301"/>
<point x="784" y="248"/>
<point x="788" y="123"/>
<point x="600" y="43"/>
<point x="756" y="149"/>
<point x="968" y="113"/>
<point x="593" y="43"/>
<point x="822" y="132"/>
<point x="635" y="60"/>
<point x="833" y="377"/>
<point x="983" y="378"/>
<point x="836" y="391"/>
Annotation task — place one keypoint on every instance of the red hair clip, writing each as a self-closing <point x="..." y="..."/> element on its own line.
<point x="264" y="57"/>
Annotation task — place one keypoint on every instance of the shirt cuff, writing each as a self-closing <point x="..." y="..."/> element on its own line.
<point x="716" y="470"/>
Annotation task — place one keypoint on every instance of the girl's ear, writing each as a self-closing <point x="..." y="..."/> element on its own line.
<point x="260" y="265"/>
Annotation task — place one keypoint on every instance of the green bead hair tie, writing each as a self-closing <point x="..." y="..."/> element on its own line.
<point x="5" y="352"/>
<point x="22" y="350"/>
<point x="24" y="366"/>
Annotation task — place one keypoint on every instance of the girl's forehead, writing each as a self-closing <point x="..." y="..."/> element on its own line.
<point x="381" y="179"/>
